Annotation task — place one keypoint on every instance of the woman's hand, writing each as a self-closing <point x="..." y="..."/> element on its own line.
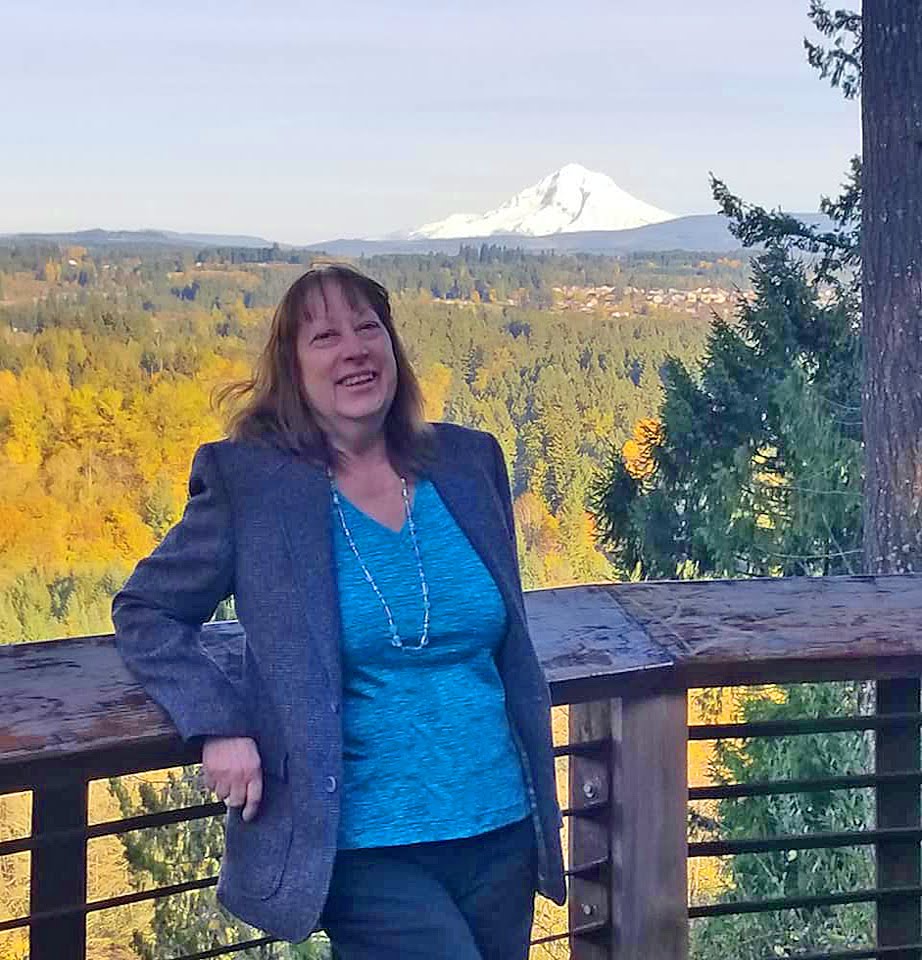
<point x="231" y="767"/>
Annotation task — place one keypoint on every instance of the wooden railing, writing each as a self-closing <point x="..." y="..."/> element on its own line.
<point x="624" y="657"/>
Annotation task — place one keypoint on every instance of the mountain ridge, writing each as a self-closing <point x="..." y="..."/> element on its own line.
<point x="703" y="232"/>
<point x="99" y="236"/>
<point x="706" y="233"/>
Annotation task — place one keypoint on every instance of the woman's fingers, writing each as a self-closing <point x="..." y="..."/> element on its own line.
<point x="231" y="767"/>
<point x="237" y="794"/>
<point x="243" y="793"/>
<point x="254" y="794"/>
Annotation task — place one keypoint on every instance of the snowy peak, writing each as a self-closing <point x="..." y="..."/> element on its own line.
<point x="569" y="200"/>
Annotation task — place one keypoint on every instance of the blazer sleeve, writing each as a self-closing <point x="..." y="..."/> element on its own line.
<point x="159" y="612"/>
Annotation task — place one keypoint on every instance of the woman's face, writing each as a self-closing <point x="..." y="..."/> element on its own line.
<point x="346" y="359"/>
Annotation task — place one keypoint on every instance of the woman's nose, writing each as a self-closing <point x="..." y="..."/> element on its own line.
<point x="353" y="345"/>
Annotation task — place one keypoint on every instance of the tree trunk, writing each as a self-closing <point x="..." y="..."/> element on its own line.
<point x="892" y="283"/>
<point x="891" y="249"/>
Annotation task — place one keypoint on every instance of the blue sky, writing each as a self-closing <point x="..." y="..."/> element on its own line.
<point x="305" y="121"/>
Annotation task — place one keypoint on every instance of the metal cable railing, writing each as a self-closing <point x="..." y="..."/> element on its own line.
<point x="598" y="808"/>
<point x="622" y="658"/>
<point x="908" y="779"/>
<point x="51" y="839"/>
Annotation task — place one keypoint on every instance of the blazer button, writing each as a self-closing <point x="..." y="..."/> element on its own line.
<point x="331" y="784"/>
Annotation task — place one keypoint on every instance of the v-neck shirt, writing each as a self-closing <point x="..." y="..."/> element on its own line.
<point x="428" y="751"/>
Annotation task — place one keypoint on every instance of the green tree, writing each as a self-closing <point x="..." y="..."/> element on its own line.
<point x="761" y="876"/>
<point x="891" y="113"/>
<point x="759" y="462"/>
<point x="186" y="922"/>
<point x="757" y="469"/>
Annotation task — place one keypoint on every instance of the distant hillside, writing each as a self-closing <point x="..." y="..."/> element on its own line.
<point x="134" y="238"/>
<point x="704" y="232"/>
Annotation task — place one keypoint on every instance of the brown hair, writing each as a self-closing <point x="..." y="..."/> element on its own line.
<point x="276" y="411"/>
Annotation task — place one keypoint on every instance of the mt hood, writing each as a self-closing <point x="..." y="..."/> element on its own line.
<point x="570" y="200"/>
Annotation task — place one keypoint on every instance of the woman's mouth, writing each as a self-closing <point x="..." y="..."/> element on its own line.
<point x="358" y="379"/>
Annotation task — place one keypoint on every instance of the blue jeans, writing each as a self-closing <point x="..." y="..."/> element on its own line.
<point x="467" y="899"/>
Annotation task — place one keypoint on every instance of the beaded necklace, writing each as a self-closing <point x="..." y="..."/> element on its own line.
<point x="424" y="586"/>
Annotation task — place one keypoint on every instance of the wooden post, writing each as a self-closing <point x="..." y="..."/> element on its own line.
<point x="590" y="802"/>
<point x="650" y="837"/>
<point x="898" y="861"/>
<point x="58" y="874"/>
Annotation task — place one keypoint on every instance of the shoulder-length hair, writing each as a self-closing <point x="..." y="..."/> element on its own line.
<point x="275" y="410"/>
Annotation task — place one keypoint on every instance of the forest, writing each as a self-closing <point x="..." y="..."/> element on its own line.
<point x="650" y="431"/>
<point x="109" y="362"/>
<point x="108" y="365"/>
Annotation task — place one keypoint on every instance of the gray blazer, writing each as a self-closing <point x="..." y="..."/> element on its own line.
<point x="258" y="526"/>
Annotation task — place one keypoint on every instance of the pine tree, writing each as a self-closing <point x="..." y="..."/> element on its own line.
<point x="187" y="922"/>
<point x="761" y="876"/>
<point x="757" y="469"/>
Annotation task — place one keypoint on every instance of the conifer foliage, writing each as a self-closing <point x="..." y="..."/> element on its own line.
<point x="756" y="466"/>
<point x="756" y="469"/>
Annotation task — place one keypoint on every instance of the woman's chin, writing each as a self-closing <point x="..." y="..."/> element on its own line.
<point x="363" y="410"/>
<point x="363" y="405"/>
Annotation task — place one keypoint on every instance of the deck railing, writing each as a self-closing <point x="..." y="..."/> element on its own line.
<point x="623" y="657"/>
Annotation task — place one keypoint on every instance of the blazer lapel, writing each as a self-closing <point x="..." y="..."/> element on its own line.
<point x="302" y="499"/>
<point x="476" y="509"/>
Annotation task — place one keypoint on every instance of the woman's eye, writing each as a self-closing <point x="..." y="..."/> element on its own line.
<point x="323" y="335"/>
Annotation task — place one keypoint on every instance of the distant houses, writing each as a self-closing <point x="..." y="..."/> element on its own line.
<point x="622" y="302"/>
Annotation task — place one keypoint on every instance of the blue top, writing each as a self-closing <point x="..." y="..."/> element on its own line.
<point x="427" y="748"/>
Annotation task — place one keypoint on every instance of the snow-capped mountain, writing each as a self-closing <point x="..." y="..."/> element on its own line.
<point x="569" y="200"/>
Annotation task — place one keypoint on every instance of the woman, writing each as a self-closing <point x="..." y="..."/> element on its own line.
<point x="385" y="754"/>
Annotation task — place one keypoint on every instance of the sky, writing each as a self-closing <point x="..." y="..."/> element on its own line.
<point x="305" y="121"/>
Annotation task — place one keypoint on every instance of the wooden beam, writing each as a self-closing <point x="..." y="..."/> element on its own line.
<point x="898" y="861"/>
<point x="593" y="642"/>
<point x="58" y="873"/>
<point x="650" y="838"/>
<point x="591" y="805"/>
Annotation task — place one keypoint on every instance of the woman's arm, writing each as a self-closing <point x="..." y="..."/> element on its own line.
<point x="159" y="612"/>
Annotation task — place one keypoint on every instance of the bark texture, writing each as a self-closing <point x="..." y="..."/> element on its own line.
<point x="892" y="283"/>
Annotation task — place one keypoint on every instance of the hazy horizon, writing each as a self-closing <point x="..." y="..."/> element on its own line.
<point x="301" y="124"/>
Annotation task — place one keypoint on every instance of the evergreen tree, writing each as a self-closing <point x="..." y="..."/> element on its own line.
<point x="757" y="460"/>
<point x="891" y="113"/>
<point x="755" y="468"/>
<point x="186" y="922"/>
<point x="191" y="921"/>
<point x="761" y="876"/>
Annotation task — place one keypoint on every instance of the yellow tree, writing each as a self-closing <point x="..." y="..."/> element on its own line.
<point x="436" y="384"/>
<point x="639" y="449"/>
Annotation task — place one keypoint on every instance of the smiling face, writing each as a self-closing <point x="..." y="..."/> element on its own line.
<point x="346" y="361"/>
